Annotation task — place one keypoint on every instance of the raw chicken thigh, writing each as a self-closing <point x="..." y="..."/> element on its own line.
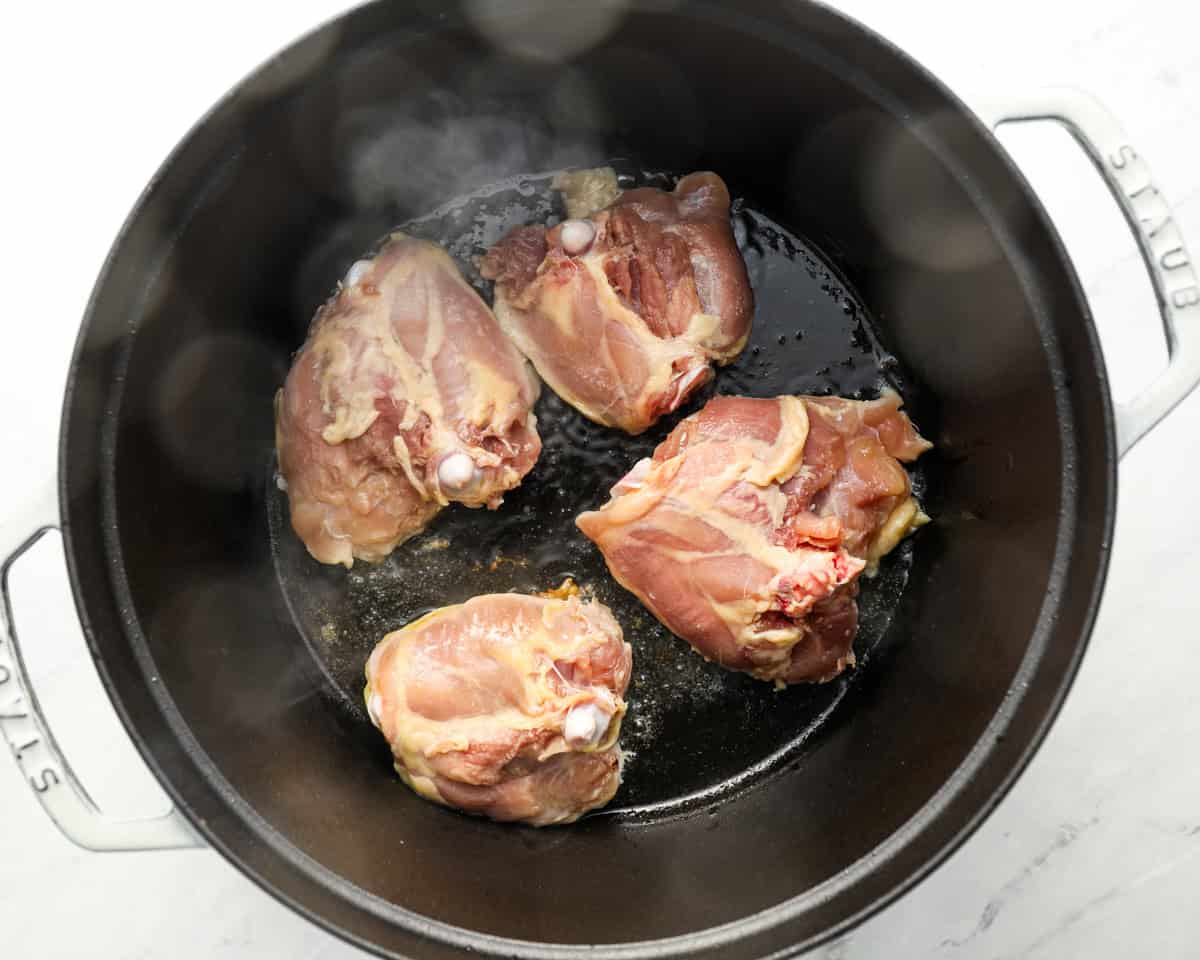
<point x="624" y="309"/>
<point x="406" y="396"/>
<point x="506" y="706"/>
<point x="746" y="531"/>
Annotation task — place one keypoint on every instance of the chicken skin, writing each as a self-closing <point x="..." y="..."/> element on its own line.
<point x="747" y="530"/>
<point x="405" y="397"/>
<point x="624" y="309"/>
<point x="506" y="706"/>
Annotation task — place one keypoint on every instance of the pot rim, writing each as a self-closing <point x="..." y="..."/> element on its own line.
<point x="318" y="886"/>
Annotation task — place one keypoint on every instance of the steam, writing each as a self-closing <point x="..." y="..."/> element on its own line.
<point x="542" y="29"/>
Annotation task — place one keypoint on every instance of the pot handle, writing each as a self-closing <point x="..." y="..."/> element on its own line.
<point x="1158" y="237"/>
<point x="25" y="728"/>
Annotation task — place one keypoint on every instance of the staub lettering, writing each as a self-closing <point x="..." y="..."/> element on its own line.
<point x="14" y="711"/>
<point x="1176" y="275"/>
<point x="1186" y="297"/>
<point x="41" y="782"/>
<point x="1152" y="227"/>
<point x="1122" y="157"/>
<point x="1174" y="259"/>
<point x="27" y="745"/>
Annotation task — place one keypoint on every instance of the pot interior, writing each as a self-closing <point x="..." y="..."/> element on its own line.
<point x="889" y="242"/>
<point x="695" y="732"/>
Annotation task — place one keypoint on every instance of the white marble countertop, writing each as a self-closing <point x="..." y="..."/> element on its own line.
<point x="1095" y="853"/>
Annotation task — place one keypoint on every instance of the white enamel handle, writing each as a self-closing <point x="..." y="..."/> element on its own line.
<point x="24" y="725"/>
<point x="1158" y="237"/>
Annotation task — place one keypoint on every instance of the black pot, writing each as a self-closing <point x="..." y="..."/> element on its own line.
<point x="167" y="439"/>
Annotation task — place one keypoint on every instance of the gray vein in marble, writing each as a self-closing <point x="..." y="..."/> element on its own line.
<point x="1076" y="914"/>
<point x="1069" y="919"/>
<point x="1176" y="828"/>
<point x="1068" y="833"/>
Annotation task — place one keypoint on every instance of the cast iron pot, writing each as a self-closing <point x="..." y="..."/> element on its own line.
<point x="164" y="477"/>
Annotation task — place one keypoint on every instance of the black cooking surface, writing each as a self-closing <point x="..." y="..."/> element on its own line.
<point x="693" y="731"/>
